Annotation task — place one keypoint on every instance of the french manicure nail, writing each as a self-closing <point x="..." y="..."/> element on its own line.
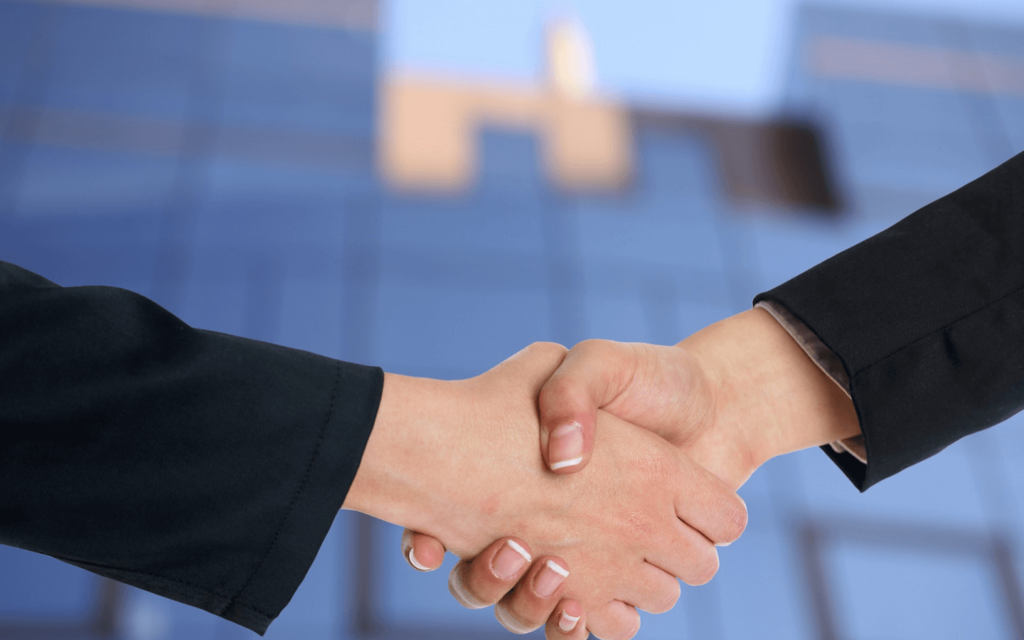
<point x="416" y="563"/>
<point x="510" y="559"/>
<point x="549" y="578"/>
<point x="567" y="623"/>
<point x="565" y="446"/>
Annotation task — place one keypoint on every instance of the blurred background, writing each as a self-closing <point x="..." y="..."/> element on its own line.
<point x="430" y="186"/>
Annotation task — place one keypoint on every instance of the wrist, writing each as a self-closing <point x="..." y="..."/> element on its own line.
<point x="769" y="395"/>
<point x="444" y="457"/>
<point x="402" y="475"/>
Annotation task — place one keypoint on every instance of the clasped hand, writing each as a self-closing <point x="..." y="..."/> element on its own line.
<point x="603" y="525"/>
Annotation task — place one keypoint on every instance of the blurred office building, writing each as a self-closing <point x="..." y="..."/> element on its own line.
<point x="251" y="167"/>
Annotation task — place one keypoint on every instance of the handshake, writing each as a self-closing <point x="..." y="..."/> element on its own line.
<point x="612" y="466"/>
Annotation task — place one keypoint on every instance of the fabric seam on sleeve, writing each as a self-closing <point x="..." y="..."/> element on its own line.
<point x="937" y="330"/>
<point x="298" y="492"/>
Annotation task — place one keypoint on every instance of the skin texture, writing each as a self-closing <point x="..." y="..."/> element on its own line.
<point x="731" y="397"/>
<point x="622" y="523"/>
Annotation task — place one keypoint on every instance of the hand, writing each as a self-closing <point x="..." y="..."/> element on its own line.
<point x="731" y="397"/>
<point x="459" y="461"/>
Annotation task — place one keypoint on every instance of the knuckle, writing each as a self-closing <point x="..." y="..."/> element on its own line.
<point x="706" y="569"/>
<point x="549" y="349"/>
<point x="738" y="516"/>
<point x="564" y="393"/>
<point x="564" y="389"/>
<point x="559" y="385"/>
<point x="617" y="623"/>
<point x="592" y="346"/>
<point x="666" y="599"/>
<point x="629" y="628"/>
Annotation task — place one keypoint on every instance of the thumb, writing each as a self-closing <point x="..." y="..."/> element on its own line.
<point x="592" y="375"/>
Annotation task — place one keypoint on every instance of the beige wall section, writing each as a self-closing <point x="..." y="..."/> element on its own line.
<point x="345" y="14"/>
<point x="429" y="131"/>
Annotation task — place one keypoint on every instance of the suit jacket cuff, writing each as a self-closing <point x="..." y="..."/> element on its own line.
<point x="348" y="417"/>
<point x="925" y="318"/>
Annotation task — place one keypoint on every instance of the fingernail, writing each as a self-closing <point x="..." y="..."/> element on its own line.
<point x="510" y="559"/>
<point x="565" y="446"/>
<point x="549" y="578"/>
<point x="722" y="544"/>
<point x="567" y="623"/>
<point x="414" y="562"/>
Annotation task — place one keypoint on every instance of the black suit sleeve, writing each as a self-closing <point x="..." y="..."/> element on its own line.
<point x="200" y="466"/>
<point x="928" y="320"/>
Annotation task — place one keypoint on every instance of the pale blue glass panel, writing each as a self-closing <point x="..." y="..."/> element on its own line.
<point x="668" y="216"/>
<point x="786" y="247"/>
<point x="899" y="157"/>
<point x="19" y="22"/>
<point x="217" y="290"/>
<point x="38" y="588"/>
<point x="447" y="332"/>
<point x="311" y="311"/>
<point x="249" y="203"/>
<point x="941" y="490"/>
<point x="127" y="62"/>
<point x="868" y="104"/>
<point x="915" y="595"/>
<point x="623" y="318"/>
<point x="762" y="591"/>
<point x="68" y="182"/>
<point x="296" y="77"/>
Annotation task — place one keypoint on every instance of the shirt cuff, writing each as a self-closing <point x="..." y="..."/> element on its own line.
<point x="826" y="360"/>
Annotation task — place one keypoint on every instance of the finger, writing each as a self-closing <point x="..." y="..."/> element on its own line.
<point x="709" y="505"/>
<point x="531" y="603"/>
<point x="567" y="622"/>
<point x="687" y="555"/>
<point x="422" y="552"/>
<point x="653" y="590"/>
<point x="614" y="621"/>
<point x="592" y="375"/>
<point x="484" y="580"/>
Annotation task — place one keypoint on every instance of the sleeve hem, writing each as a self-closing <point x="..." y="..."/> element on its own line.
<point x="183" y="592"/>
<point x="318" y="499"/>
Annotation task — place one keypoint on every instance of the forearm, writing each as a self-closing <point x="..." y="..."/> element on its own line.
<point x="203" y="467"/>
<point x="412" y="468"/>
